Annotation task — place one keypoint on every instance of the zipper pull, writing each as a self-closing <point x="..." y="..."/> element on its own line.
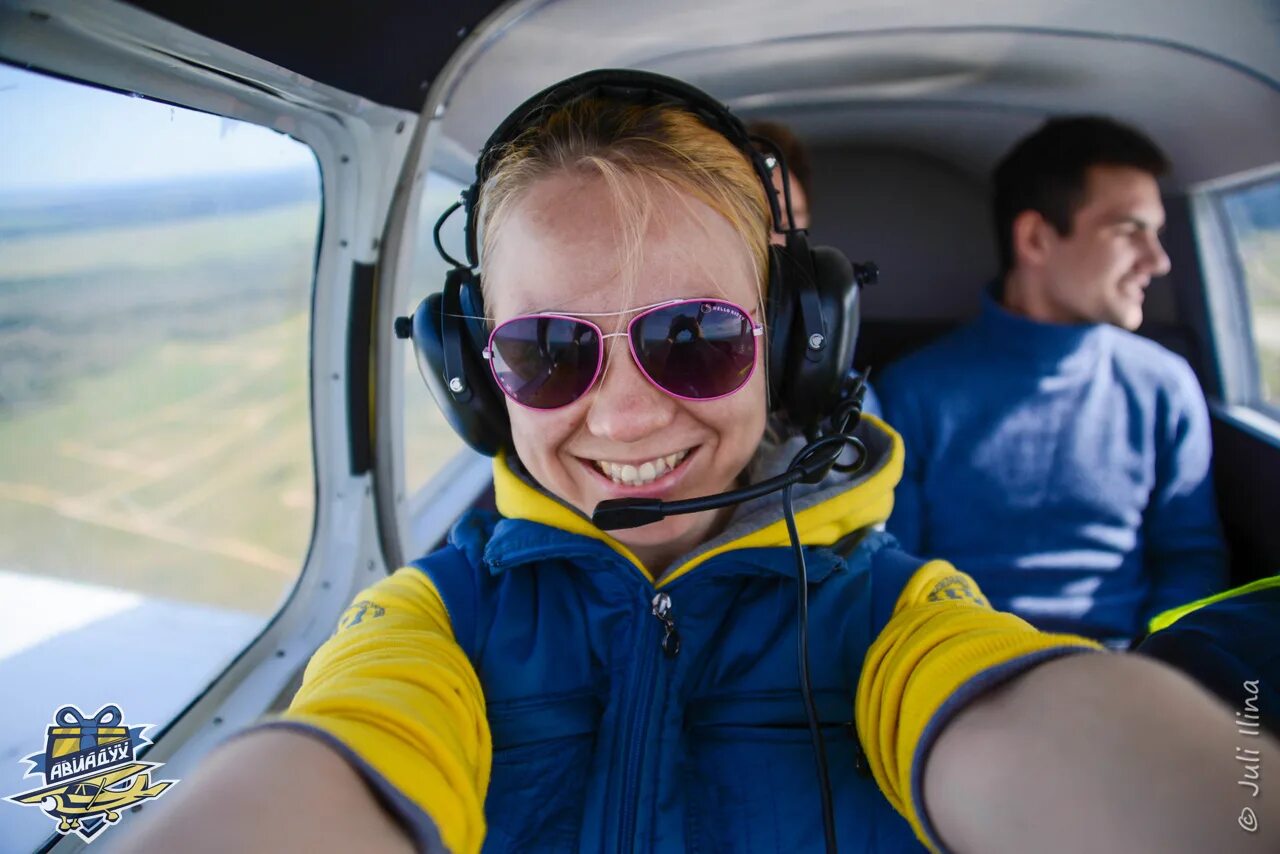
<point x="670" y="637"/>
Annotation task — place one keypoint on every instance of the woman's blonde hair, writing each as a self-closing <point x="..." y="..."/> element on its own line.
<point x="634" y="148"/>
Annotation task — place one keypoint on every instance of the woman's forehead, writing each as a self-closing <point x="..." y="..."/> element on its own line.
<point x="569" y="244"/>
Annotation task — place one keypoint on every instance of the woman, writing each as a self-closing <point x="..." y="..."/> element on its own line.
<point x="539" y="684"/>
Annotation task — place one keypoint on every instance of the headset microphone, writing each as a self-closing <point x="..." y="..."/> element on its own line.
<point x="810" y="466"/>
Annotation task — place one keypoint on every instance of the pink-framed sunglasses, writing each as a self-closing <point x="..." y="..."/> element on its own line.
<point x="692" y="349"/>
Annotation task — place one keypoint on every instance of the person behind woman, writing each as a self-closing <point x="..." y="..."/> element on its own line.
<point x="539" y="684"/>
<point x="796" y="157"/>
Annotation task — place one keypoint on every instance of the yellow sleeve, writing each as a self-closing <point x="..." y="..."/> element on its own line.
<point x="395" y="690"/>
<point x="943" y="646"/>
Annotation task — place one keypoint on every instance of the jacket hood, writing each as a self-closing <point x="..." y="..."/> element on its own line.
<point x="825" y="512"/>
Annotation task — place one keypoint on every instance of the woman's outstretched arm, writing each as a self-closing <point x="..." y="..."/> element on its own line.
<point x="1103" y="753"/>
<point x="991" y="736"/>
<point x="387" y="733"/>
<point x="270" y="790"/>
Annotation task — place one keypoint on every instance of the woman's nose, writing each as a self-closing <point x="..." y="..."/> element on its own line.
<point x="625" y="406"/>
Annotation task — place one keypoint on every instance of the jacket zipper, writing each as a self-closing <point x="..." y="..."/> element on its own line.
<point x="660" y="608"/>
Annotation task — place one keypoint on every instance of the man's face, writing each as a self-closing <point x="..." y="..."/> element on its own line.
<point x="1100" y="271"/>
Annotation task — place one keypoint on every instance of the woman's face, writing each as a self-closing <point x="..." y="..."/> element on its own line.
<point x="560" y="250"/>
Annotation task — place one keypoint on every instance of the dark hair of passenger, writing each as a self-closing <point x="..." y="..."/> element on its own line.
<point x="793" y="151"/>
<point x="1046" y="172"/>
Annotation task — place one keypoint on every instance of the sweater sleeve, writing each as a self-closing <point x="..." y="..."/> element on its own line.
<point x="397" y="697"/>
<point x="907" y="523"/>
<point x="1184" y="554"/>
<point x="943" y="648"/>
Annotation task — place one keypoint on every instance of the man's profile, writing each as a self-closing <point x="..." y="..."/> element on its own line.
<point x="1056" y="456"/>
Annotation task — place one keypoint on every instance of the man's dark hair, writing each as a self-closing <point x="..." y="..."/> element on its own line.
<point x="1046" y="172"/>
<point x="793" y="151"/>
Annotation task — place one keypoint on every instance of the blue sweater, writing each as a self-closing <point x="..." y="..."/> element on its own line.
<point x="1065" y="467"/>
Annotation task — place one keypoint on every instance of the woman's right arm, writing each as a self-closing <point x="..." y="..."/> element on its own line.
<point x="269" y="790"/>
<point x="389" y="721"/>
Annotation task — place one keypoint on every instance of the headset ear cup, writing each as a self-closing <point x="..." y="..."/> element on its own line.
<point x="840" y="294"/>
<point x="806" y="383"/>
<point x="446" y="350"/>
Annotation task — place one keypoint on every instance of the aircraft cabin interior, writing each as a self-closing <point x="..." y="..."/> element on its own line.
<point x="211" y="215"/>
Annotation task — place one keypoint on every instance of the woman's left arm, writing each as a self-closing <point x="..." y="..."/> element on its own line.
<point x="1103" y="753"/>
<point x="989" y="735"/>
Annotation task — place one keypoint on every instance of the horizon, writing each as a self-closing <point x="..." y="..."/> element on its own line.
<point x="66" y="192"/>
<point x="79" y="137"/>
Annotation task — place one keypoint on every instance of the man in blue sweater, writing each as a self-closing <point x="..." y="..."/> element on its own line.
<point x="1058" y="458"/>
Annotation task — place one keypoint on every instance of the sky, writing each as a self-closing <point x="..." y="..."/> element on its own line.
<point x="55" y="134"/>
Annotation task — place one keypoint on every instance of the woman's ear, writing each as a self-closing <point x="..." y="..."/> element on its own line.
<point x="1032" y="235"/>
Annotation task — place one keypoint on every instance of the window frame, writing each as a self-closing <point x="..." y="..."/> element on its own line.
<point x="359" y="148"/>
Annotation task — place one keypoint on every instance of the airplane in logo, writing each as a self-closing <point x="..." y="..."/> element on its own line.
<point x="98" y="796"/>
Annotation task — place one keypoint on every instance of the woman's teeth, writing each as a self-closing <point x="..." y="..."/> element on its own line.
<point x="647" y="472"/>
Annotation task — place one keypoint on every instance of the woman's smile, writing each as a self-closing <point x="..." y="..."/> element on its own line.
<point x="648" y="477"/>
<point x="646" y="472"/>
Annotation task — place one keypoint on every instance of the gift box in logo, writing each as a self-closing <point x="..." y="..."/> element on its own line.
<point x="76" y="742"/>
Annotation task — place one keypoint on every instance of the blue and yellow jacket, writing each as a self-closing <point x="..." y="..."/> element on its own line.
<point x="513" y="690"/>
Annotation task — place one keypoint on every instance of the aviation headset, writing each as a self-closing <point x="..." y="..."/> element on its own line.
<point x="811" y="307"/>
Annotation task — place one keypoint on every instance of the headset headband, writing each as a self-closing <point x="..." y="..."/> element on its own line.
<point x="639" y="87"/>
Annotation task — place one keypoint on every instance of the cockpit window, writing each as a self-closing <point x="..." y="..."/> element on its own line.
<point x="156" y="477"/>
<point x="1253" y="217"/>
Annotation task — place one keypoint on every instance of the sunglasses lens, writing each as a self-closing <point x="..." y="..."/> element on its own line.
<point x="698" y="349"/>
<point x="545" y="362"/>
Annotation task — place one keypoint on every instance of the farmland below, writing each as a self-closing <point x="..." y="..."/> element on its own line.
<point x="154" y="406"/>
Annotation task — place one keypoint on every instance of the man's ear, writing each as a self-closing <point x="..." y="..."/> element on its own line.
<point x="1032" y="238"/>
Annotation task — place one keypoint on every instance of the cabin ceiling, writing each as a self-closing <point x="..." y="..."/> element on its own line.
<point x="958" y="82"/>
<point x="388" y="51"/>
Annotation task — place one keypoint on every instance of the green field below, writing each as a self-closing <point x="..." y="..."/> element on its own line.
<point x="186" y="473"/>
<point x="154" y="406"/>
